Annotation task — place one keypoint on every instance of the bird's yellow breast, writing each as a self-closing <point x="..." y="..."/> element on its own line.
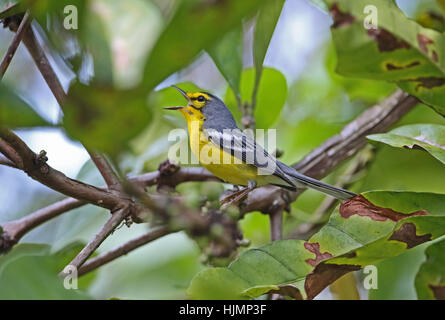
<point x="213" y="158"/>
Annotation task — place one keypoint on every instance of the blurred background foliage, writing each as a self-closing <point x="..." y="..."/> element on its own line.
<point x="140" y="47"/>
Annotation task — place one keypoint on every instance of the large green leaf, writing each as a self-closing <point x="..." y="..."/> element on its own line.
<point x="16" y="113"/>
<point x="264" y="28"/>
<point x="104" y="118"/>
<point x="428" y="137"/>
<point x="228" y="57"/>
<point x="272" y="94"/>
<point x="400" y="50"/>
<point x="367" y="229"/>
<point x="430" y="280"/>
<point x="197" y="25"/>
<point x="29" y="271"/>
<point x="9" y="8"/>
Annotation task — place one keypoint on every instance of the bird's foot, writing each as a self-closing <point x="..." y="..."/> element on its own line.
<point x="236" y="197"/>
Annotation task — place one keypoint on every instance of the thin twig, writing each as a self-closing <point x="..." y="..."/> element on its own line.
<point x="112" y="223"/>
<point x="106" y="170"/>
<point x="14" y="44"/>
<point x="15" y="230"/>
<point x="44" y="65"/>
<point x="6" y="162"/>
<point x="115" y="253"/>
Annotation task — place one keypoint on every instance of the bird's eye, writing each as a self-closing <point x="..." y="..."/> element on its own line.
<point x="201" y="99"/>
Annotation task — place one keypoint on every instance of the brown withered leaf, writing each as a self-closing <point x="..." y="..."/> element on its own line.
<point x="323" y="275"/>
<point x="438" y="291"/>
<point x="315" y="249"/>
<point x="340" y="18"/>
<point x="363" y="207"/>
<point x="386" y="41"/>
<point x="407" y="234"/>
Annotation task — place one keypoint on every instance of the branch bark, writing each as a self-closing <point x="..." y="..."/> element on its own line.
<point x="6" y="162"/>
<point x="122" y="250"/>
<point x="14" y="44"/>
<point x="37" y="168"/>
<point x="114" y="221"/>
<point x="13" y="231"/>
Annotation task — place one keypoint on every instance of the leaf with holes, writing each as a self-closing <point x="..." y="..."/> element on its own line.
<point x="428" y="137"/>
<point x="366" y="229"/>
<point x="399" y="50"/>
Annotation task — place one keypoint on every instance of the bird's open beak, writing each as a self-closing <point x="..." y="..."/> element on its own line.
<point x="185" y="96"/>
<point x="173" y="108"/>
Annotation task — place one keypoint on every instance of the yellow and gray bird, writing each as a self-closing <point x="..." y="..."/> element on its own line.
<point x="235" y="157"/>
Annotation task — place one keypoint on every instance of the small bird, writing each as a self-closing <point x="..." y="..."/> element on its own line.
<point x="233" y="156"/>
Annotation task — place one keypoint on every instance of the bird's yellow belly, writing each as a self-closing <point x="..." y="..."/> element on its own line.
<point x="225" y="166"/>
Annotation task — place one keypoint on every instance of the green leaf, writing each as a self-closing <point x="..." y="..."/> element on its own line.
<point x="367" y="229"/>
<point x="430" y="280"/>
<point x="95" y="39"/>
<point x="10" y="8"/>
<point x="29" y="271"/>
<point x="228" y="57"/>
<point x="400" y="51"/>
<point x="428" y="137"/>
<point x="264" y="28"/>
<point x="15" y="113"/>
<point x="104" y="118"/>
<point x="196" y="26"/>
<point x="272" y="94"/>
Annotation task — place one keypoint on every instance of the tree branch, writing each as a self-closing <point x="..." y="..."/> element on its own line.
<point x="112" y="223"/>
<point x="122" y="250"/>
<point x="276" y="225"/>
<point x="44" y="65"/>
<point x="6" y="162"/>
<point x="106" y="170"/>
<point x="14" y="44"/>
<point x="13" y="231"/>
<point x="37" y="168"/>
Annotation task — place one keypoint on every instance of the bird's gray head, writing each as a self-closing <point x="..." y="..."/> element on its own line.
<point x="215" y="113"/>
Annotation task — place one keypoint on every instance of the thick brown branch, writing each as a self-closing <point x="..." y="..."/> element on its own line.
<point x="37" y="168"/>
<point x="13" y="231"/>
<point x="14" y="44"/>
<point x="104" y="258"/>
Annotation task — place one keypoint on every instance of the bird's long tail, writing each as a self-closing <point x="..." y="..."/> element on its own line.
<point x="304" y="181"/>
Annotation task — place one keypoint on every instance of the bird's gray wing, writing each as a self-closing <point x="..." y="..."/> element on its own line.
<point x="244" y="148"/>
